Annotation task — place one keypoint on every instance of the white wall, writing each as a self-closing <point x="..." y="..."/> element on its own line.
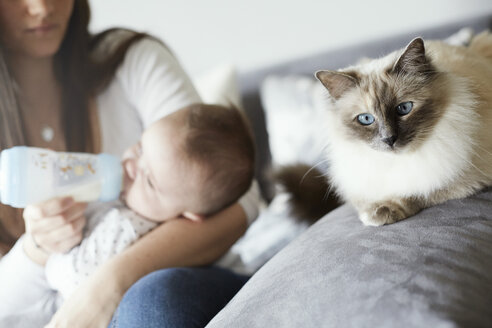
<point x="253" y="33"/>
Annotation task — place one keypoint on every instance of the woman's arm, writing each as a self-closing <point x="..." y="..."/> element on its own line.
<point x="178" y="242"/>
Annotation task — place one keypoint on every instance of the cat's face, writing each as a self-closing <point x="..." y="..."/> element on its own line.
<point x="392" y="108"/>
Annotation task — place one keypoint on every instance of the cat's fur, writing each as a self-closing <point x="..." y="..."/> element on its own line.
<point x="306" y="187"/>
<point x="443" y="147"/>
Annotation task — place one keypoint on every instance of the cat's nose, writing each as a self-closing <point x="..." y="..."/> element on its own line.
<point x="390" y="140"/>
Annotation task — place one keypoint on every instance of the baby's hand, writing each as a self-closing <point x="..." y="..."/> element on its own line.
<point x="55" y="226"/>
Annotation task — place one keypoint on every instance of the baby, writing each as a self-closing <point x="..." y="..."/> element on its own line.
<point x="189" y="164"/>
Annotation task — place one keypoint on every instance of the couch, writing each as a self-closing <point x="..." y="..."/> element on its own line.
<point x="431" y="270"/>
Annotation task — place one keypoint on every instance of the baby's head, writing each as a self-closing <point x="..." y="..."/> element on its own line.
<point x="191" y="163"/>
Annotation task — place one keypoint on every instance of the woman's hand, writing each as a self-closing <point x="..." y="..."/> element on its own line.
<point x="54" y="226"/>
<point x="93" y="303"/>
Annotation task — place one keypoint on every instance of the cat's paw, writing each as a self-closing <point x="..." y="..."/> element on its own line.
<point x="383" y="213"/>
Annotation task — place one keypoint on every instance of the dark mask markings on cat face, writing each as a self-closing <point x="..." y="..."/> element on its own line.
<point x="384" y="100"/>
<point x="415" y="78"/>
<point x="358" y="131"/>
<point x="354" y="129"/>
<point x="391" y="131"/>
<point x="420" y="124"/>
<point x="412" y="129"/>
<point x="411" y="78"/>
<point x="384" y="133"/>
<point x="392" y="137"/>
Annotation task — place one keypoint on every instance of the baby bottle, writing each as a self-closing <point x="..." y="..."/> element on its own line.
<point x="30" y="175"/>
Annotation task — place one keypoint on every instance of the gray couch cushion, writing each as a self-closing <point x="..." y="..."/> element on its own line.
<point x="431" y="270"/>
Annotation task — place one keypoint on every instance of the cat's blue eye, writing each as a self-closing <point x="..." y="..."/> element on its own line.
<point x="365" y="119"/>
<point x="404" y="108"/>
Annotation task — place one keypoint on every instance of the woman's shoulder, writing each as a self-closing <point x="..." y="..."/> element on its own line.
<point x="131" y="57"/>
<point x="147" y="76"/>
<point x="107" y="43"/>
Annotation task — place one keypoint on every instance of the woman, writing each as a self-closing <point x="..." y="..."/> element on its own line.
<point x="64" y="89"/>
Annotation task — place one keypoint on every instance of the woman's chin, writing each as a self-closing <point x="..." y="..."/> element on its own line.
<point x="41" y="48"/>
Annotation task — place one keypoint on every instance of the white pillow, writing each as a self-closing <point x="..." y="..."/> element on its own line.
<point x="460" y="38"/>
<point x="274" y="228"/>
<point x="219" y="86"/>
<point x="294" y="119"/>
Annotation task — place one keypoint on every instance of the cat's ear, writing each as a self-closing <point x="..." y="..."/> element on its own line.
<point x="337" y="83"/>
<point x="413" y="59"/>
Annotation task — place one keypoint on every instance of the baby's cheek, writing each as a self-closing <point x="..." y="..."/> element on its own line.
<point x="134" y="198"/>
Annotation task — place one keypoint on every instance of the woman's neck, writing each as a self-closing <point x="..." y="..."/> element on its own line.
<point x="40" y="101"/>
<point x="34" y="76"/>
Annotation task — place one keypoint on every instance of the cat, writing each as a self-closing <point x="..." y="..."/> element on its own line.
<point x="412" y="129"/>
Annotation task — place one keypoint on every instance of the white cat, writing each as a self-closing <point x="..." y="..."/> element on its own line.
<point x="412" y="129"/>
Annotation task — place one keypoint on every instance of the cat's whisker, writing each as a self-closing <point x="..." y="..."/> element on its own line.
<point x="327" y="194"/>
<point x="477" y="168"/>
<point x="475" y="144"/>
<point x="466" y="160"/>
<point x="482" y="149"/>
<point x="313" y="168"/>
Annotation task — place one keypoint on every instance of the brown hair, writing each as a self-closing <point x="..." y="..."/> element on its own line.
<point x="81" y="76"/>
<point x="219" y="140"/>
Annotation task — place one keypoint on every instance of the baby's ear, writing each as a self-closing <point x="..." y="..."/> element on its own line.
<point x="193" y="216"/>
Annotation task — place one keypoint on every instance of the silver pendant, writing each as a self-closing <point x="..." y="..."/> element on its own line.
<point x="47" y="133"/>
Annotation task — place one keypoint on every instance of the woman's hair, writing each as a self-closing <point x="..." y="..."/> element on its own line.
<point x="80" y="75"/>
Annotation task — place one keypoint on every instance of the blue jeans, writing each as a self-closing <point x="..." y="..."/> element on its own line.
<point x="177" y="297"/>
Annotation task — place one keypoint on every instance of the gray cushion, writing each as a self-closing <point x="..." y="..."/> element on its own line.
<point x="431" y="270"/>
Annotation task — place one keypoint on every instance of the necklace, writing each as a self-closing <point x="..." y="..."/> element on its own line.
<point x="41" y="118"/>
<point x="47" y="133"/>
